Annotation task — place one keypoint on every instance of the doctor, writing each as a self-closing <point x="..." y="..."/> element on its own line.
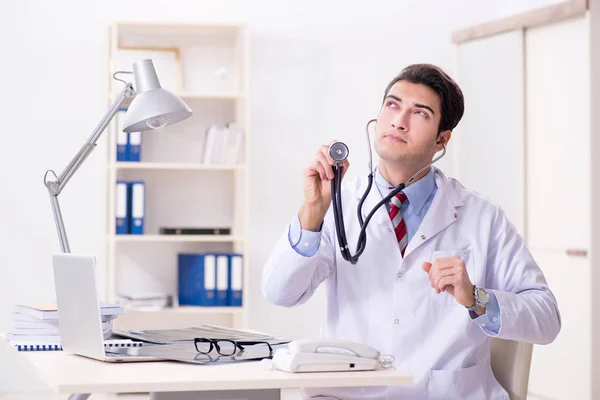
<point x="443" y="269"/>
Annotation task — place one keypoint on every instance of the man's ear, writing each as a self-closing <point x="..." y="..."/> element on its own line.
<point x="443" y="138"/>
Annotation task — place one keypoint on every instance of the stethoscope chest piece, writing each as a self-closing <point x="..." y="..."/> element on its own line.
<point x="338" y="151"/>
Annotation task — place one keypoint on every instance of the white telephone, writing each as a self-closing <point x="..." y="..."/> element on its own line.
<point x="325" y="356"/>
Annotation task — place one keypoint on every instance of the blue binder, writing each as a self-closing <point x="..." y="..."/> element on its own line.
<point x="134" y="141"/>
<point x="121" y="207"/>
<point x="236" y="279"/>
<point x="122" y="137"/>
<point x="222" y="280"/>
<point x="137" y="208"/>
<point x="196" y="279"/>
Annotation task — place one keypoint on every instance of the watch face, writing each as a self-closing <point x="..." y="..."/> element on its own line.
<point x="482" y="295"/>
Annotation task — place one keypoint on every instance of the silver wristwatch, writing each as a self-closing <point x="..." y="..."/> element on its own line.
<point x="481" y="298"/>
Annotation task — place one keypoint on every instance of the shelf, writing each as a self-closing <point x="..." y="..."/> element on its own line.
<point x="157" y="35"/>
<point x="207" y="67"/>
<point x="175" y="166"/>
<point x="176" y="238"/>
<point x="190" y="310"/>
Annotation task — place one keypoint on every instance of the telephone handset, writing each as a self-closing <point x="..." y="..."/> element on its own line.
<point x="326" y="355"/>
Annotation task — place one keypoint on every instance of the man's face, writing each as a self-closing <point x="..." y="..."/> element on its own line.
<point x="407" y="125"/>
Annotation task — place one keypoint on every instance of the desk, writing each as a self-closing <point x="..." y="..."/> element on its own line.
<point x="71" y="374"/>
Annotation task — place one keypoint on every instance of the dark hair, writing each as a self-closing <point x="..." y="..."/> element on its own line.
<point x="451" y="97"/>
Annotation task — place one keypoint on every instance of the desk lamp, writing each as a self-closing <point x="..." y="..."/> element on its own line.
<point x="152" y="107"/>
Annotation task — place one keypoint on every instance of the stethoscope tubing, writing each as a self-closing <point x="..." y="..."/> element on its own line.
<point x="336" y="197"/>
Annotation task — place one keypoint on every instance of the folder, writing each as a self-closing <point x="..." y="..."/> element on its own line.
<point x="196" y="279"/>
<point x="137" y="197"/>
<point x="122" y="222"/>
<point x="135" y="146"/>
<point x="235" y="280"/>
<point x="122" y="141"/>
<point x="222" y="280"/>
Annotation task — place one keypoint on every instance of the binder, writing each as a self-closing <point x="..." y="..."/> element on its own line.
<point x="135" y="146"/>
<point x="210" y="279"/>
<point x="122" y="223"/>
<point x="122" y="141"/>
<point x="190" y="269"/>
<point x="235" y="280"/>
<point x="196" y="279"/>
<point x="222" y="280"/>
<point x="137" y="197"/>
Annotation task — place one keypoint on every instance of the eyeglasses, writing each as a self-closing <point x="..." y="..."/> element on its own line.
<point x="224" y="347"/>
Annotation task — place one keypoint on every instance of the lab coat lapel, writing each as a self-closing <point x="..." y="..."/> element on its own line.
<point x="442" y="213"/>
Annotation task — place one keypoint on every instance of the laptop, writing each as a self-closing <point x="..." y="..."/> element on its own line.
<point x="79" y="309"/>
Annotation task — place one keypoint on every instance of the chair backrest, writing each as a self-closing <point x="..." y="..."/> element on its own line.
<point x="511" y="362"/>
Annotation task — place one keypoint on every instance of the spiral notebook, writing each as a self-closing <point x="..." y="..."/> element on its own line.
<point x="29" y="346"/>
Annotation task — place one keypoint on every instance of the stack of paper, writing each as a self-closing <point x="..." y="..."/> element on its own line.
<point x="147" y="301"/>
<point x="172" y="336"/>
<point x="39" y="323"/>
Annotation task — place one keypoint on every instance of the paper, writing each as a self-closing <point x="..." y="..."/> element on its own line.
<point x="171" y="336"/>
<point x="186" y="352"/>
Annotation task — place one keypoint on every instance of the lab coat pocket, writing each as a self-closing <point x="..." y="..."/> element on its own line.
<point x="459" y="384"/>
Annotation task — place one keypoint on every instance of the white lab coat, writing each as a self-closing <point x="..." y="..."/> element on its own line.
<point x="387" y="302"/>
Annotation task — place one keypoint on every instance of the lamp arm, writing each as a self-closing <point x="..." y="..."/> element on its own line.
<point x="56" y="185"/>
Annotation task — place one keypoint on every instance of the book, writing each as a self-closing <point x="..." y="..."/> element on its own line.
<point x="46" y="311"/>
<point x="45" y="335"/>
<point x="49" y="327"/>
<point x="17" y="317"/>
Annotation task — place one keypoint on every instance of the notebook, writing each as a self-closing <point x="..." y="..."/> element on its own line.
<point x="32" y="346"/>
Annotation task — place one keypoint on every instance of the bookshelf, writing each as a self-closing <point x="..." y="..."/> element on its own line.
<point x="207" y="66"/>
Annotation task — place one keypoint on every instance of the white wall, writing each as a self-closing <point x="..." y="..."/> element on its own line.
<point x="318" y="71"/>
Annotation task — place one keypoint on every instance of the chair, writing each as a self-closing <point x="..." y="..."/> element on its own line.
<point x="511" y="362"/>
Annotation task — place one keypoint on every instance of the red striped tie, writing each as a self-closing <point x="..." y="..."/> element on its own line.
<point x="398" y="221"/>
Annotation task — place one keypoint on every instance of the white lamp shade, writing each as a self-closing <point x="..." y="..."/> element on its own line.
<point x="153" y="104"/>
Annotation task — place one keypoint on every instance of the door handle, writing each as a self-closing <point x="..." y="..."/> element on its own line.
<point x="577" y="252"/>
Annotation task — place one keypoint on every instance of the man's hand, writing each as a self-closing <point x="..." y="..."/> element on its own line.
<point x="449" y="274"/>
<point x="317" y="188"/>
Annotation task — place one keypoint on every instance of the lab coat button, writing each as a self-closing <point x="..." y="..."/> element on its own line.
<point x="495" y="319"/>
<point x="423" y="237"/>
<point x="397" y="321"/>
<point x="483" y="325"/>
<point x="455" y="215"/>
<point x="399" y="274"/>
<point x="389" y="229"/>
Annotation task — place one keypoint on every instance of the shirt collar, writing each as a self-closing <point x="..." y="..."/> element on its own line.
<point x="417" y="193"/>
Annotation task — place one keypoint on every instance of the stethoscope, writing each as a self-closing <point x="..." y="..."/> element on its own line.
<point x="338" y="151"/>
